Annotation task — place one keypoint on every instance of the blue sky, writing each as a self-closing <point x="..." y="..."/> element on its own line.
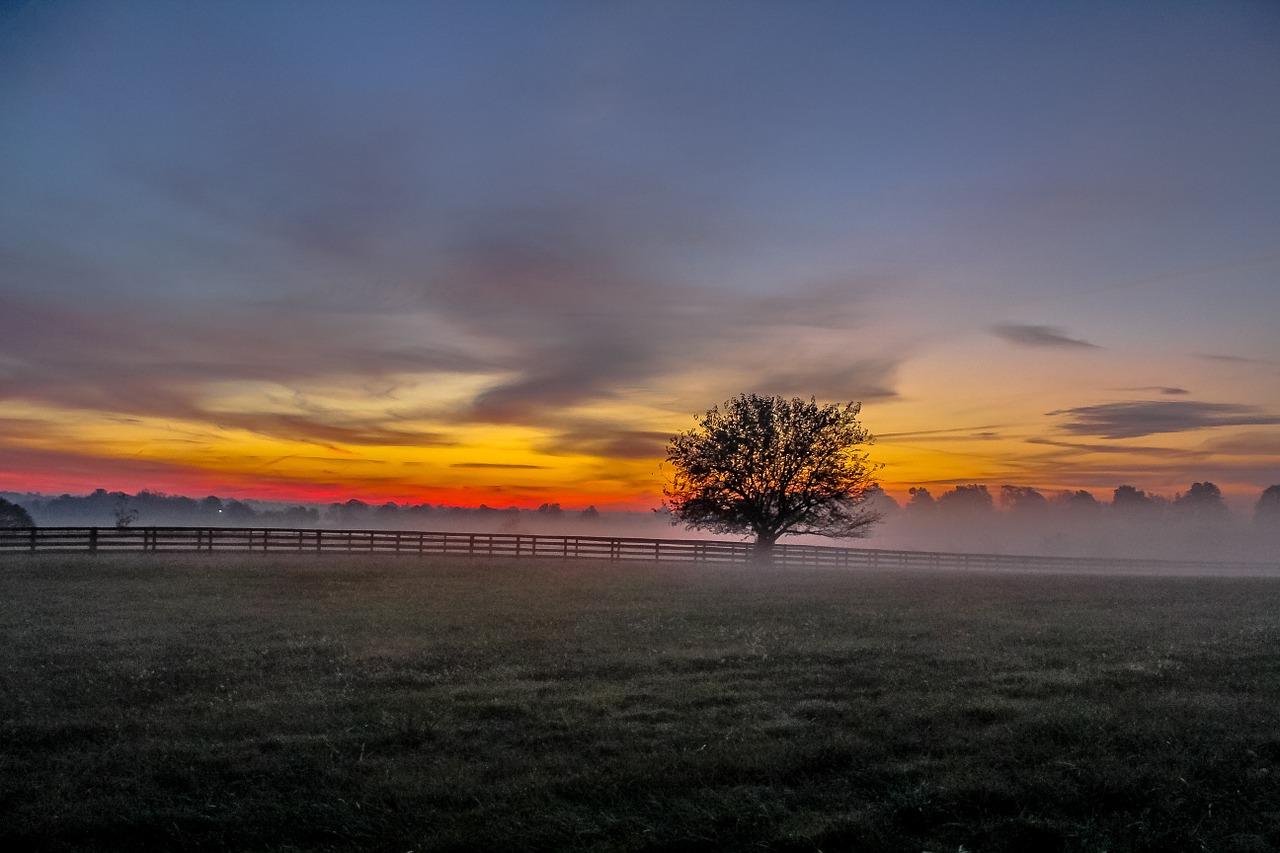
<point x="361" y="249"/>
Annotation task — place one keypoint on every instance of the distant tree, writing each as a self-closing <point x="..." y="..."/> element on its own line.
<point x="1079" y="502"/>
<point x="1135" y="505"/>
<point x="1129" y="496"/>
<point x="293" y="516"/>
<point x="1267" y="510"/>
<point x="773" y="467"/>
<point x="1022" y="499"/>
<point x="1080" y="497"/>
<point x="14" y="515"/>
<point x="973" y="499"/>
<point x="552" y="510"/>
<point x="238" y="511"/>
<point x="1203" y="501"/>
<point x="921" y="500"/>
<point x="879" y="501"/>
<point x="353" y="513"/>
<point x="590" y="514"/>
<point x="125" y="515"/>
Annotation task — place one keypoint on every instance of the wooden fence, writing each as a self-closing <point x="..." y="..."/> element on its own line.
<point x="516" y="545"/>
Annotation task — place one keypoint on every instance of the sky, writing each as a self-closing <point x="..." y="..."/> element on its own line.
<point x="484" y="252"/>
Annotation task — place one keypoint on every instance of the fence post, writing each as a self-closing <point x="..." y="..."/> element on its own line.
<point x="93" y="539"/>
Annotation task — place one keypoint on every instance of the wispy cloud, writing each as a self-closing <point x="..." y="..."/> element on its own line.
<point x="1233" y="359"/>
<point x="1136" y="419"/>
<point x="978" y="433"/>
<point x="1125" y="449"/>
<point x="1166" y="390"/>
<point x="597" y="438"/>
<point x="1038" y="336"/>
<point x="499" y="465"/>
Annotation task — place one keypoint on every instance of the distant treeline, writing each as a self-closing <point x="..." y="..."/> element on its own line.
<point x="1018" y="519"/>
<point x="120" y="509"/>
<point x="1202" y="500"/>
<point x="1196" y="524"/>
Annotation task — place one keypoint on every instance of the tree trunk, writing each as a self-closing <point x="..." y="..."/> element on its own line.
<point x="763" y="552"/>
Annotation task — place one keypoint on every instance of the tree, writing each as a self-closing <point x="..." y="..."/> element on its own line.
<point x="773" y="467"/>
<point x="921" y="500"/>
<point x="1135" y="505"/>
<point x="1203" y="501"/>
<point x="14" y="515"/>
<point x="1022" y="499"/>
<point x="972" y="500"/>
<point x="124" y="514"/>
<point x="1267" y="510"/>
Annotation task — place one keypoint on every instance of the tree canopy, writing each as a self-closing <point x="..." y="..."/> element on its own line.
<point x="773" y="467"/>
<point x="14" y="515"/>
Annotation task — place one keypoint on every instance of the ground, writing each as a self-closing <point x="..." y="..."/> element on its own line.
<point x="327" y="702"/>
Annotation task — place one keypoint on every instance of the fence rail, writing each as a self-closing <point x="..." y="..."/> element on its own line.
<point x="516" y="545"/>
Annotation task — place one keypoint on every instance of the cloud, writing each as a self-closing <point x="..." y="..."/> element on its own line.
<point x="1135" y="419"/>
<point x="1127" y="449"/>
<point x="1038" y="336"/>
<point x="608" y="440"/>
<point x="163" y="362"/>
<point x="1248" y="444"/>
<point x="977" y="433"/>
<point x="577" y="318"/>
<point x="1167" y="390"/>
<point x="1233" y="359"/>
<point x="369" y="432"/>
<point x="854" y="380"/>
<point x="499" y="465"/>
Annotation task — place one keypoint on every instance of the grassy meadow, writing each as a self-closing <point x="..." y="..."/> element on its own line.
<point x="289" y="703"/>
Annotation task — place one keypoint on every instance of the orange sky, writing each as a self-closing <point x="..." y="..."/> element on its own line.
<point x="436" y="254"/>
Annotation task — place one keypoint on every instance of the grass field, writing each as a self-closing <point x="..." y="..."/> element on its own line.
<point x="272" y="703"/>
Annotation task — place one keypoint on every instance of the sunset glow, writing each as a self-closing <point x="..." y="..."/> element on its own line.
<point x="498" y="253"/>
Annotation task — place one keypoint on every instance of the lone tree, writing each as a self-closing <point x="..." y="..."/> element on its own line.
<point x="773" y="467"/>
<point x="14" y="515"/>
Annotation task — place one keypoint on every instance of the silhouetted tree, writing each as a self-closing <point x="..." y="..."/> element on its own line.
<point x="921" y="500"/>
<point x="125" y="515"/>
<point x="14" y="515"/>
<point x="973" y="499"/>
<point x="1129" y="496"/>
<point x="1204" y="501"/>
<point x="590" y="514"/>
<point x="1078" y="498"/>
<point x="1267" y="510"/>
<point x="772" y="467"/>
<point x="1135" y="505"/>
<point x="1022" y="499"/>
<point x="353" y="513"/>
<point x="880" y="502"/>
<point x="238" y="512"/>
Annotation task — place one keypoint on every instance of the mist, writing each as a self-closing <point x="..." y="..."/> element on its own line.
<point x="1195" y="525"/>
